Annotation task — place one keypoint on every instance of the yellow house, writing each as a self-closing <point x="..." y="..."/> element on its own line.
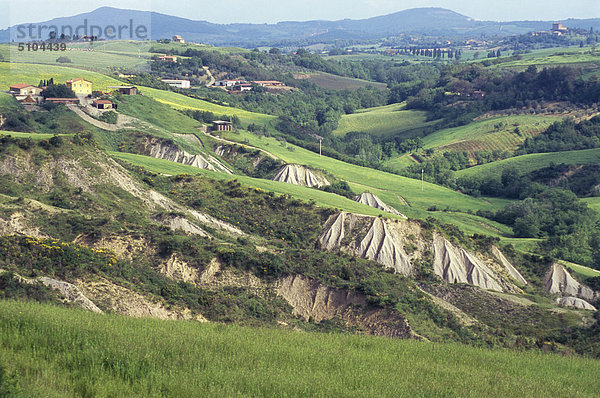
<point x="80" y="86"/>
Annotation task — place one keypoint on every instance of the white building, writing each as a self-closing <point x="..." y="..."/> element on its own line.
<point x="228" y="83"/>
<point x="178" y="83"/>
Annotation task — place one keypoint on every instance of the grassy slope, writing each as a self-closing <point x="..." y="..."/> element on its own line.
<point x="527" y="163"/>
<point x="384" y="120"/>
<point x="179" y="101"/>
<point x="61" y="352"/>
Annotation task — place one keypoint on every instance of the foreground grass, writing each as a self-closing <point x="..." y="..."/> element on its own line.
<point x="528" y="163"/>
<point x="60" y="352"/>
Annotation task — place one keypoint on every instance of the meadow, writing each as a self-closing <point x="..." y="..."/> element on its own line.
<point x="56" y="352"/>
<point x="593" y="203"/>
<point x="382" y="121"/>
<point x="528" y="163"/>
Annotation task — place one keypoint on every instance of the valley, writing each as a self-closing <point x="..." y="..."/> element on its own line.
<point x="426" y="210"/>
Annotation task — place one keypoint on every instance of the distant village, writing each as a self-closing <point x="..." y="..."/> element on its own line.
<point x="232" y="86"/>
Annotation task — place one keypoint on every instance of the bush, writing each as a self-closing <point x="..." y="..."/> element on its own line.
<point x="109" y="117"/>
<point x="63" y="60"/>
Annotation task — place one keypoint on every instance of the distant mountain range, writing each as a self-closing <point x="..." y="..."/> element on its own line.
<point x="117" y="23"/>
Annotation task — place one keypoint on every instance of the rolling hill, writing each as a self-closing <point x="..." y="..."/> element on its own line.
<point x="430" y="20"/>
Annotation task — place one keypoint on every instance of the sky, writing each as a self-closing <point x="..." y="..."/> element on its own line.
<point x="271" y="11"/>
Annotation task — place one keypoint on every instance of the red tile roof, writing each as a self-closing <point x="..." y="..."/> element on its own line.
<point x="106" y="102"/>
<point x="21" y="85"/>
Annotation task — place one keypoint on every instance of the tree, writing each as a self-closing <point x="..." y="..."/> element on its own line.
<point x="63" y="60"/>
<point x="58" y="91"/>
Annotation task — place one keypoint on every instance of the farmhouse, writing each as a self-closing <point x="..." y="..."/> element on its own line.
<point x="228" y="83"/>
<point x="125" y="90"/>
<point x="168" y="58"/>
<point x="178" y="83"/>
<point x="63" y="101"/>
<point x="102" y="104"/>
<point x="178" y="39"/>
<point x="242" y="87"/>
<point x="220" y="125"/>
<point x="269" y="83"/>
<point x="80" y="86"/>
<point x="25" y="89"/>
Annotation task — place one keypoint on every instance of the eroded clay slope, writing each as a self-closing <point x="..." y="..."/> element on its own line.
<point x="575" y="302"/>
<point x="312" y="300"/>
<point x="456" y="265"/>
<point x="559" y="281"/>
<point x="508" y="266"/>
<point x="369" y="199"/>
<point x="161" y="149"/>
<point x="397" y="244"/>
<point x="300" y="175"/>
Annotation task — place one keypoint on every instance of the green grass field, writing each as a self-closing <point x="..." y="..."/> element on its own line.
<point x="55" y="352"/>
<point x="593" y="203"/>
<point x="584" y="272"/>
<point x="382" y="121"/>
<point x="527" y="163"/>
